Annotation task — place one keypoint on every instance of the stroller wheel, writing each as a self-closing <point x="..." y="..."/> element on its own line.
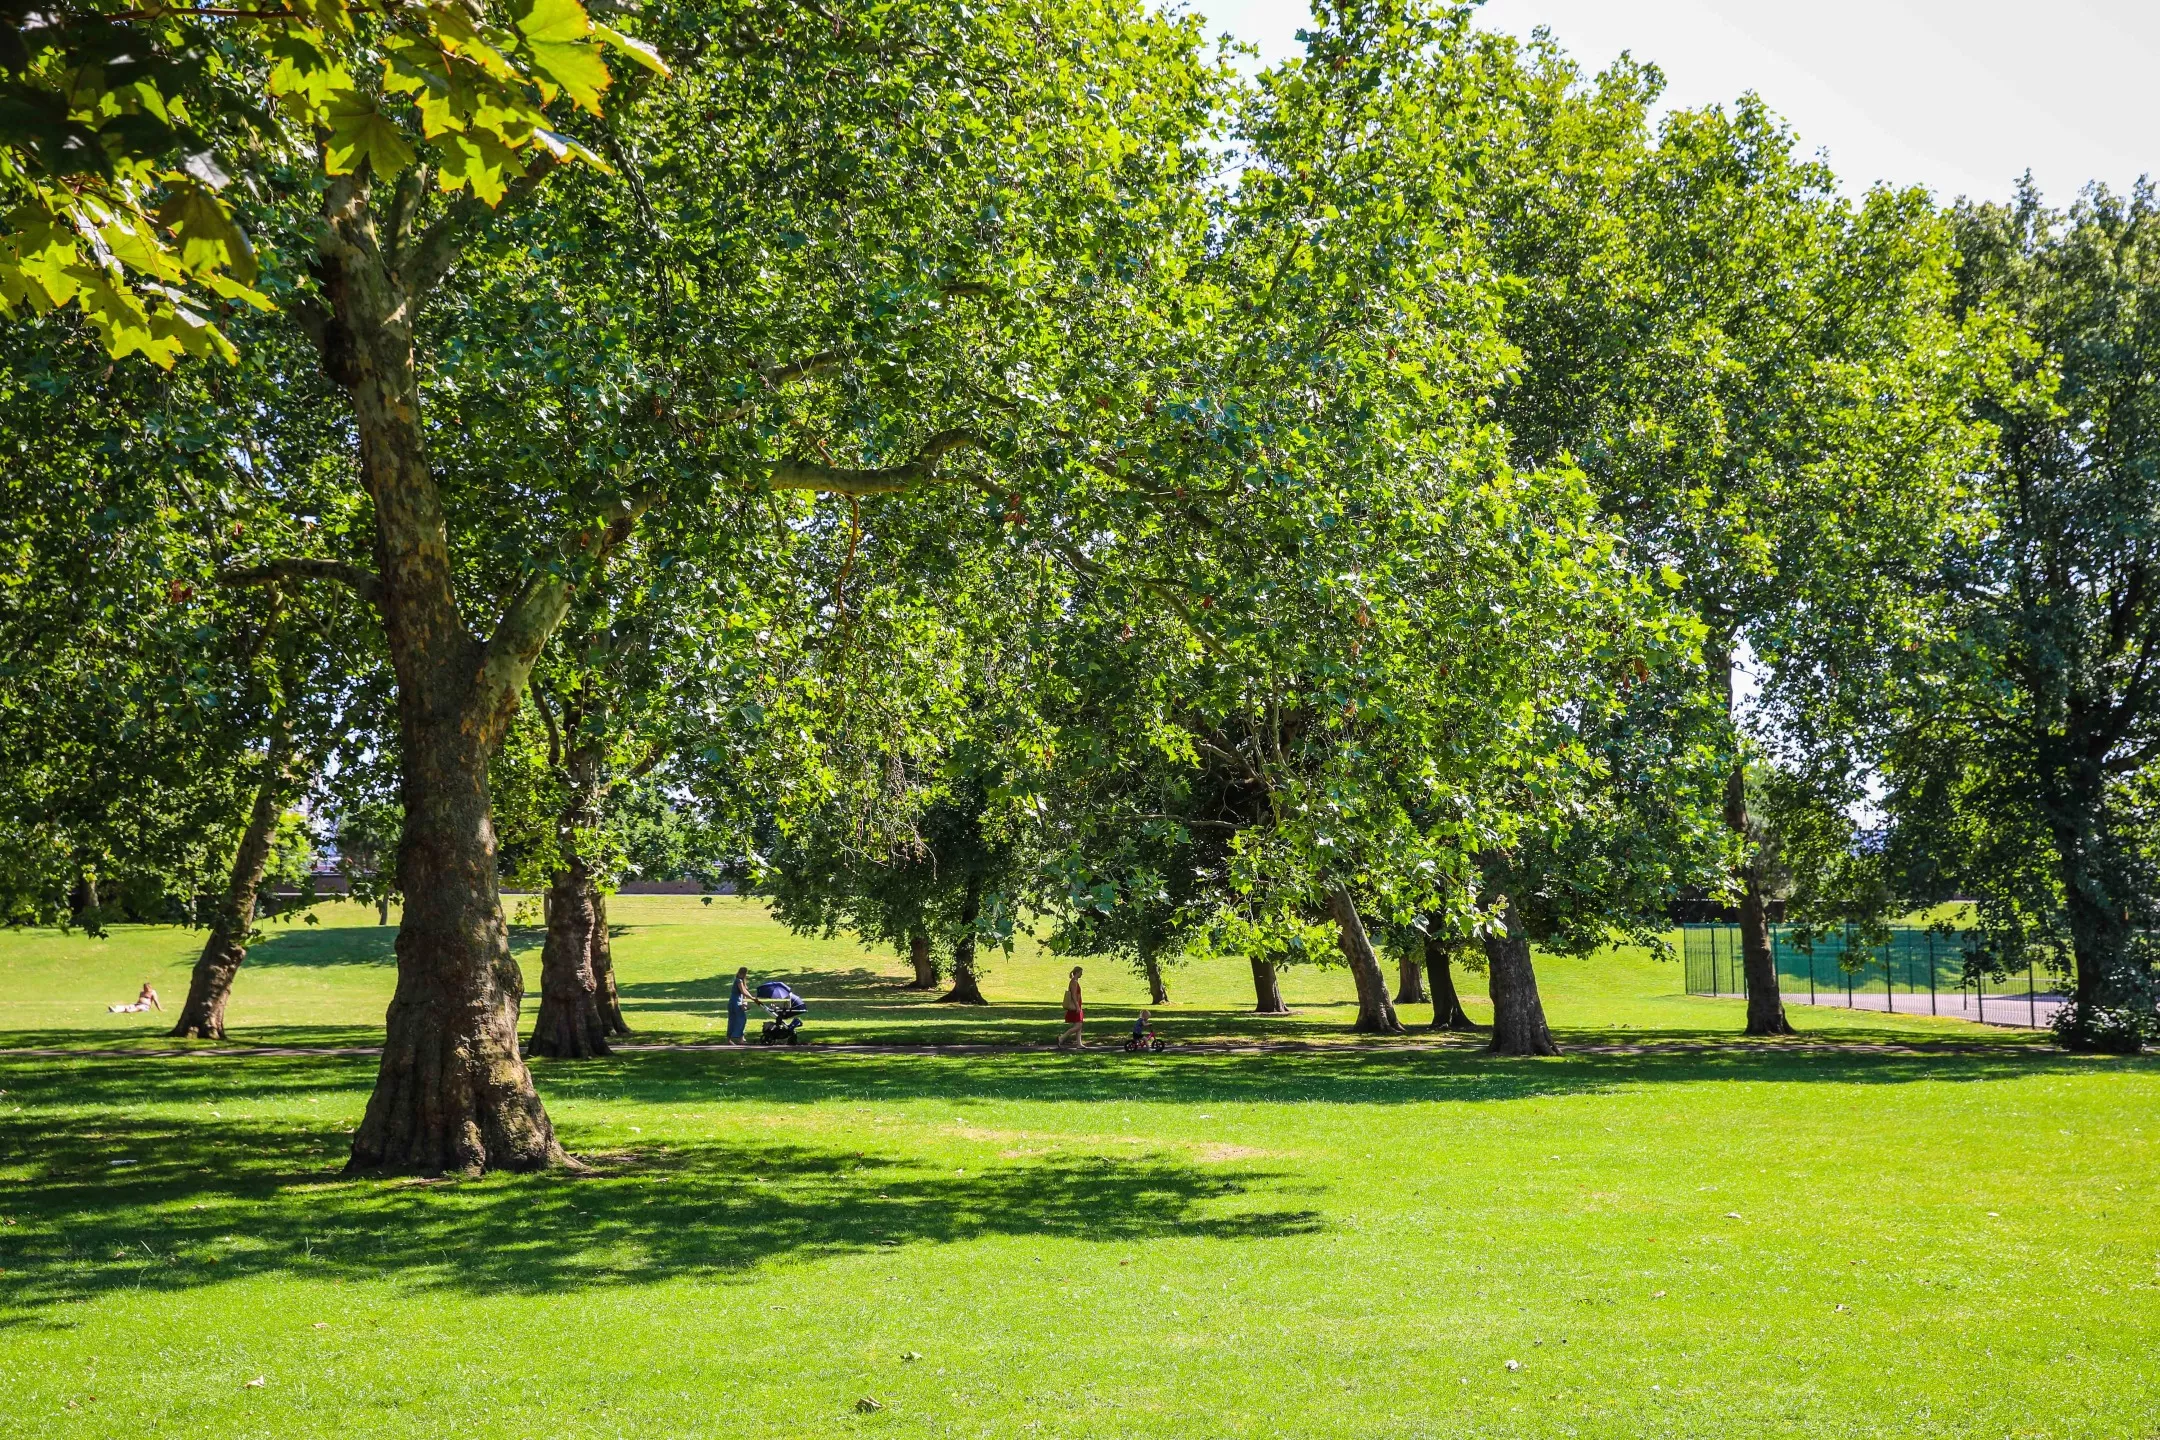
<point x="794" y="1037"/>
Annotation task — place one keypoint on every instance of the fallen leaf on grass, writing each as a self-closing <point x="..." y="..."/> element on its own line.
<point x="1514" y="1364"/>
<point x="1732" y="1214"/>
<point x="911" y="1355"/>
<point x="256" y="1384"/>
<point x="866" y="1405"/>
<point x="1658" y="1295"/>
<point x="322" y="1325"/>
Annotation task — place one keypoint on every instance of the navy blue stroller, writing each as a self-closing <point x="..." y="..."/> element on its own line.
<point x="786" y="1009"/>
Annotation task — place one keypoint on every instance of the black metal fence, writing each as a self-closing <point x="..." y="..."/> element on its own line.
<point x="1918" y="970"/>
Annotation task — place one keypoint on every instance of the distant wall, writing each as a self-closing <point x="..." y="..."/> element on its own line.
<point x="676" y="887"/>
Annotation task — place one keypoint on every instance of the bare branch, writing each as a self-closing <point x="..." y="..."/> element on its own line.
<point x="1239" y="762"/>
<point x="364" y="583"/>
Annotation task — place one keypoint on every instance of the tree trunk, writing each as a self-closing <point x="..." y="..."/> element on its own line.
<point x="1410" y="979"/>
<point x="1376" y="1016"/>
<point x="1518" y="1015"/>
<point x="203" y="1016"/>
<point x="83" y="900"/>
<point x="1447" y="1011"/>
<point x="1765" y="1002"/>
<point x="1758" y="963"/>
<point x="2105" y="984"/>
<point x="1158" y="993"/>
<point x="452" y="1092"/>
<point x="1267" y="989"/>
<point x="382" y="908"/>
<point x="605" y="995"/>
<point x="569" y="1025"/>
<point x="923" y="960"/>
<point x="965" y="990"/>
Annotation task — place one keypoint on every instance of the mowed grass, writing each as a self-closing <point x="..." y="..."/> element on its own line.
<point x="1950" y="1235"/>
<point x="328" y="982"/>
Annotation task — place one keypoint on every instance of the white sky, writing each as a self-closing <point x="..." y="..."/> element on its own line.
<point x="1958" y="95"/>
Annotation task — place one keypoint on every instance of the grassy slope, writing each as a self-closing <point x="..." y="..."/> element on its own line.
<point x="1346" y="1242"/>
<point x="329" y="983"/>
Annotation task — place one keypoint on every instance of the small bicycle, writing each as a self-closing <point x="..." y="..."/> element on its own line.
<point x="1147" y="1041"/>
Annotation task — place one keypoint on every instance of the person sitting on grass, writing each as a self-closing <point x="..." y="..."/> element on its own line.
<point x="147" y="1000"/>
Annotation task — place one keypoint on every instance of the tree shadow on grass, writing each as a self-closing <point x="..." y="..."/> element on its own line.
<point x="313" y="947"/>
<point x="1348" y="1075"/>
<point x="162" y="1173"/>
<point x="179" y="1204"/>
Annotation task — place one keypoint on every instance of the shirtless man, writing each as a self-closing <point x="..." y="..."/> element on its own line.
<point x="1075" y="1017"/>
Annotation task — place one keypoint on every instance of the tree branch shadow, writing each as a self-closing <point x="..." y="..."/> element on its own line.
<point x="176" y="1205"/>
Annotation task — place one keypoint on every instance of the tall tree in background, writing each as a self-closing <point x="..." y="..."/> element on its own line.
<point x="2022" y="742"/>
<point x="1763" y="381"/>
<point x="302" y="732"/>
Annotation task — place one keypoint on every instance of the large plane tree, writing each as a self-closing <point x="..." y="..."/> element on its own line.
<point x="2021" y="742"/>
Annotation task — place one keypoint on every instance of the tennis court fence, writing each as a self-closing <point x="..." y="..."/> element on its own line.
<point x="1917" y="971"/>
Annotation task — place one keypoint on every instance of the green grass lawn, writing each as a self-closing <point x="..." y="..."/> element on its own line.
<point x="1722" y="1239"/>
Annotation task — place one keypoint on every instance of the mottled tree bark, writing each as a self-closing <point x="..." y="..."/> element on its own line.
<point x="382" y="909"/>
<point x="569" y="1024"/>
<point x="606" y="996"/>
<point x="965" y="988"/>
<point x="1267" y="989"/>
<point x="1447" y="1011"/>
<point x="452" y="1091"/>
<point x="1376" y="1015"/>
<point x="923" y="960"/>
<point x="203" y="1015"/>
<point x="1410" y="978"/>
<point x="1518" y="1014"/>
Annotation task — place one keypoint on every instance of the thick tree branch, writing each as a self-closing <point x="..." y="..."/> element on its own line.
<point x="441" y="247"/>
<point x="889" y="480"/>
<point x="818" y="364"/>
<point x="540" y="604"/>
<point x="364" y="583"/>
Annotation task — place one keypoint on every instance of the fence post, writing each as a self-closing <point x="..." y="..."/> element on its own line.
<point x="1811" y="977"/>
<point x="1714" y="928"/>
<point x="1931" y="972"/>
<point x="2032" y="1002"/>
